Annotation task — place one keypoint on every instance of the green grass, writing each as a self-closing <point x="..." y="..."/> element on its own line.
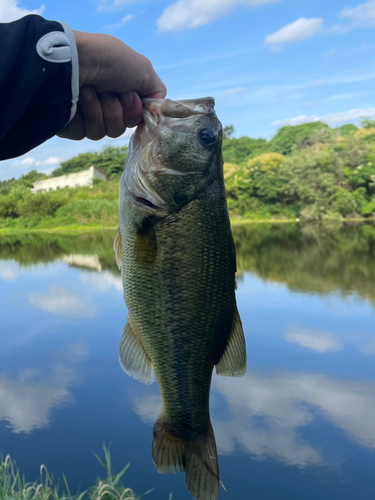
<point x="13" y="485"/>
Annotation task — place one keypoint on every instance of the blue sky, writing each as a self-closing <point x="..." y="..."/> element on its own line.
<point x="268" y="63"/>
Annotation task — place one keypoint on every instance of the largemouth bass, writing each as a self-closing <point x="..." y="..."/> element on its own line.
<point x="176" y="253"/>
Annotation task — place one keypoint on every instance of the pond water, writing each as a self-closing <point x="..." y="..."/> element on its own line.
<point x="299" y="425"/>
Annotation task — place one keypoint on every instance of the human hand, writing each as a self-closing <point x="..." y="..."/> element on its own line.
<point x="112" y="79"/>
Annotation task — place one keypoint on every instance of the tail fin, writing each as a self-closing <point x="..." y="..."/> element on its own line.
<point x="197" y="456"/>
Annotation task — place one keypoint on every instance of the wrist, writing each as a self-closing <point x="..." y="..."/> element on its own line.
<point x="86" y="61"/>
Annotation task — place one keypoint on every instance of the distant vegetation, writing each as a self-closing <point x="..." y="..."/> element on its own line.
<point x="309" y="171"/>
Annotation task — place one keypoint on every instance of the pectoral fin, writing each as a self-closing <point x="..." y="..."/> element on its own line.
<point x="133" y="357"/>
<point x="117" y="248"/>
<point x="233" y="361"/>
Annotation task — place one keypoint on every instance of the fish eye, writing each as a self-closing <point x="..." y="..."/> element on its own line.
<point x="207" y="136"/>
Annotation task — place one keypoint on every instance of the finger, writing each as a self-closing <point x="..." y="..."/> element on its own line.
<point x="111" y="65"/>
<point x="92" y="113"/>
<point x="112" y="114"/>
<point x="151" y="84"/>
<point x="75" y="130"/>
<point x="132" y="108"/>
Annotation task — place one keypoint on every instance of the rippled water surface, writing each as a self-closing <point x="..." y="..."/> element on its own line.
<point x="300" y="425"/>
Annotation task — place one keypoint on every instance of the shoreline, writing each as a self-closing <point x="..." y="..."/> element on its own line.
<point x="234" y="223"/>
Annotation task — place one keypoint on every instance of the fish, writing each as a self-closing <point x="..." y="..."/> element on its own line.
<point x="176" y="253"/>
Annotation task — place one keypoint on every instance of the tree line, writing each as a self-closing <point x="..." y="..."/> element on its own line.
<point x="309" y="171"/>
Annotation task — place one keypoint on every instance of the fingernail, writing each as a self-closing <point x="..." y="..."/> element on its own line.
<point x="85" y="94"/>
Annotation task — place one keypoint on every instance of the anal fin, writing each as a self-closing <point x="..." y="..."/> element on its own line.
<point x="233" y="361"/>
<point x="133" y="357"/>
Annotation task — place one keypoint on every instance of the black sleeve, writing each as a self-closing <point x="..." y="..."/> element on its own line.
<point x="38" y="82"/>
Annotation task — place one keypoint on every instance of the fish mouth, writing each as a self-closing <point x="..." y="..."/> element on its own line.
<point x="164" y="111"/>
<point x="146" y="203"/>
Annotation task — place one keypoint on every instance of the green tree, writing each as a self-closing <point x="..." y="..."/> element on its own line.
<point x="240" y="150"/>
<point x="347" y="129"/>
<point x="228" y="131"/>
<point x="366" y="122"/>
<point x="291" y="137"/>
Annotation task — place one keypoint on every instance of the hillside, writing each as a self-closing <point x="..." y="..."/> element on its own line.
<point x="308" y="171"/>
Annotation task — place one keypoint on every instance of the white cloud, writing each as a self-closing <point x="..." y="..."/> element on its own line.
<point x="114" y="5"/>
<point x="123" y="21"/>
<point x="27" y="401"/>
<point x="52" y="160"/>
<point x="330" y="52"/>
<point x="8" y="270"/>
<point x="332" y="118"/>
<point x="10" y="11"/>
<point x="317" y="341"/>
<point x="189" y="14"/>
<point x="337" y="97"/>
<point x="295" y="32"/>
<point x="102" y="281"/>
<point x="29" y="162"/>
<point x="363" y="15"/>
<point x="218" y="56"/>
<point x="236" y="90"/>
<point x="61" y="301"/>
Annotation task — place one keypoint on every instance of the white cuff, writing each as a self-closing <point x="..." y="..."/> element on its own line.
<point x="60" y="47"/>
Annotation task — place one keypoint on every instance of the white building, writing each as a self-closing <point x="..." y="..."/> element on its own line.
<point x="78" y="179"/>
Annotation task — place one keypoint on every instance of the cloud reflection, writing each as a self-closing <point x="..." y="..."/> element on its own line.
<point x="8" y="270"/>
<point x="26" y="402"/>
<point x="317" y="341"/>
<point x="102" y="281"/>
<point x="265" y="415"/>
<point x="61" y="301"/>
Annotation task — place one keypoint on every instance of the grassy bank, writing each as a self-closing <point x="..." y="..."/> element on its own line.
<point x="13" y="485"/>
<point x="76" y="229"/>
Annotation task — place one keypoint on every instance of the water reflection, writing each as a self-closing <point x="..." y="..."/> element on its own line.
<point x="27" y="400"/>
<point x="85" y="261"/>
<point x="306" y="295"/>
<point x="311" y="258"/>
<point x="265" y="415"/>
<point x="102" y="281"/>
<point x="315" y="340"/>
<point x="308" y="258"/>
<point x="59" y="300"/>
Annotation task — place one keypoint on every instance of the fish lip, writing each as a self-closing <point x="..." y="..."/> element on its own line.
<point x="187" y="107"/>
<point x="157" y="110"/>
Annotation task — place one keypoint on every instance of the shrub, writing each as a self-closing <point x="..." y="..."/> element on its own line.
<point x="39" y="204"/>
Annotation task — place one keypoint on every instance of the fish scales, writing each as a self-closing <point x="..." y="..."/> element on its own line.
<point x="199" y="307"/>
<point x="177" y="258"/>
